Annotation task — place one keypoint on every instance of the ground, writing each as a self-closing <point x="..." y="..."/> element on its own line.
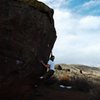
<point x="58" y="93"/>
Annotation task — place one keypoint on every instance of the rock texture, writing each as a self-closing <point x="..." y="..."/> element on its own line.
<point x="27" y="35"/>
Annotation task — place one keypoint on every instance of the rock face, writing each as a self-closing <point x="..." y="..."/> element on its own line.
<point x="27" y="35"/>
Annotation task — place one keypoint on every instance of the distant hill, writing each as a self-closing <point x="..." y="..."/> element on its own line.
<point x="70" y="71"/>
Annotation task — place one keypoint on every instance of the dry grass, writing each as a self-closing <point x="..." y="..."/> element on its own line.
<point x="87" y="81"/>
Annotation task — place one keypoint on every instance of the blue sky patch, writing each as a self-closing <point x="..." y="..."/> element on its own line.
<point x="83" y="7"/>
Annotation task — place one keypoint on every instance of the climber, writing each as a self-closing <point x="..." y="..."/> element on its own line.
<point x="50" y="68"/>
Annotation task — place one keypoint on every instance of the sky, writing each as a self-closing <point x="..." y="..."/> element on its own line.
<point x="77" y="23"/>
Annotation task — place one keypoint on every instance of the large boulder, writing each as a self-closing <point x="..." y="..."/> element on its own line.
<point x="27" y="35"/>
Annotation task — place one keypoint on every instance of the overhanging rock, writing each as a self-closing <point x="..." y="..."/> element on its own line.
<point x="27" y="35"/>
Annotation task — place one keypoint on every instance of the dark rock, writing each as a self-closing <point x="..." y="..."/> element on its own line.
<point x="58" y="67"/>
<point x="27" y="35"/>
<point x="68" y="70"/>
<point x="81" y="71"/>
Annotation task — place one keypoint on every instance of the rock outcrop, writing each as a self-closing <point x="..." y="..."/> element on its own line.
<point x="27" y="35"/>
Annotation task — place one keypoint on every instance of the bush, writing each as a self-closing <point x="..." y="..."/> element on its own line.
<point x="81" y="84"/>
<point x="95" y="93"/>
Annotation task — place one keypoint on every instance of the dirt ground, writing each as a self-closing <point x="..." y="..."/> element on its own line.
<point x="58" y="93"/>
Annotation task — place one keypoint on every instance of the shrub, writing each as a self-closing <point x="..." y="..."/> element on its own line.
<point x="81" y="84"/>
<point x="95" y="93"/>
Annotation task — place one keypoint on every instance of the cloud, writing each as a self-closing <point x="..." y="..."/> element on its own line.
<point x="77" y="35"/>
<point x="90" y="22"/>
<point x="91" y="3"/>
<point x="89" y="7"/>
<point x="78" y="38"/>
